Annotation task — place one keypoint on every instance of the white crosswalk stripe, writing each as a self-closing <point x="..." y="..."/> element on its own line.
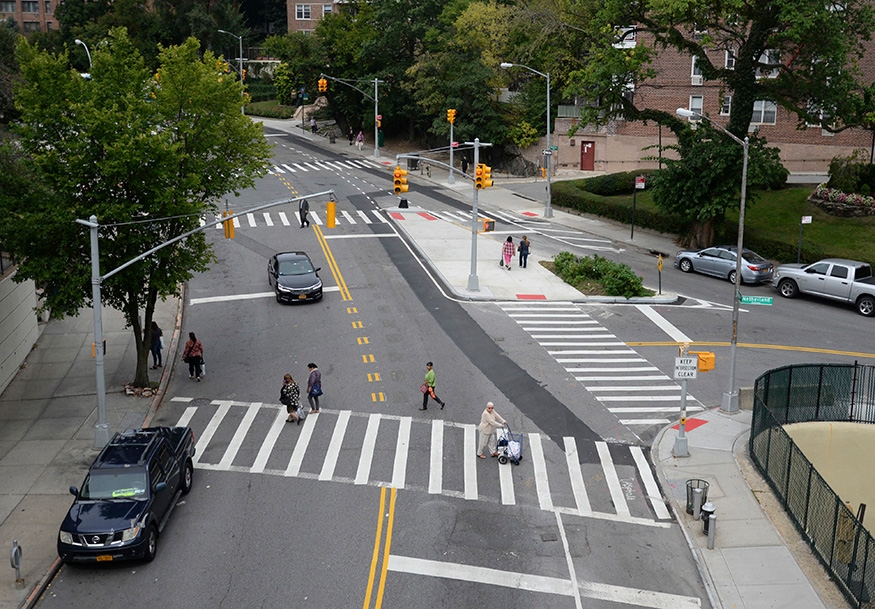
<point x="271" y="219"/>
<point x="612" y="372"/>
<point x="324" y="165"/>
<point x="376" y="449"/>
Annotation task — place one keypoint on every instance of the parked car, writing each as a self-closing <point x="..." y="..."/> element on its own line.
<point x="293" y="276"/>
<point x="720" y="261"/>
<point x="834" y="278"/>
<point x="128" y="495"/>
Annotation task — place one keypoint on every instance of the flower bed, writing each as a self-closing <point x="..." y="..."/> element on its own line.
<point x="845" y="205"/>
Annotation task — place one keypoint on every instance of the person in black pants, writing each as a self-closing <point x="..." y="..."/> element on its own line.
<point x="303" y="210"/>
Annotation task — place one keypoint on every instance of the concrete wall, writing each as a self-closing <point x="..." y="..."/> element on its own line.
<point x="18" y="325"/>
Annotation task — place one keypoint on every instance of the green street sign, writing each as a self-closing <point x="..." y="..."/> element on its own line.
<point x="755" y="300"/>
<point x="554" y="147"/>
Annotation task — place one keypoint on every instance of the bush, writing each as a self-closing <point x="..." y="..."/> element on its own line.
<point x="270" y="109"/>
<point x="260" y="91"/>
<point x="616" y="279"/>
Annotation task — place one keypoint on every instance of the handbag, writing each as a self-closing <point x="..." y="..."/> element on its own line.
<point x="424" y="388"/>
<point x="161" y="341"/>
<point x="284" y="399"/>
<point x="316" y="391"/>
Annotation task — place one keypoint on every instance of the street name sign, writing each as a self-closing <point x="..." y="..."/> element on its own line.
<point x="756" y="300"/>
<point x="686" y="367"/>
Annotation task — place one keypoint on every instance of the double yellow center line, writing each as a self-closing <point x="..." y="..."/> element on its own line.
<point x="332" y="264"/>
<point x="389" y="518"/>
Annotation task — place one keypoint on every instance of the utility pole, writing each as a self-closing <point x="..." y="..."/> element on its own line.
<point x="473" y="282"/>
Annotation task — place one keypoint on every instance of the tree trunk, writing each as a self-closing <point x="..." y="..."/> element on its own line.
<point x="702" y="234"/>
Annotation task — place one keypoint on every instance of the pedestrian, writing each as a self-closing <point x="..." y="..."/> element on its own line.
<point x="490" y="421"/>
<point x="314" y="387"/>
<point x="155" y="345"/>
<point x="464" y="164"/>
<point x="507" y="253"/>
<point x="351" y="135"/>
<point x="523" y="249"/>
<point x="427" y="388"/>
<point x="193" y="355"/>
<point x="303" y="210"/>
<point x="290" y="396"/>
<point x="313" y="124"/>
<point x="360" y="140"/>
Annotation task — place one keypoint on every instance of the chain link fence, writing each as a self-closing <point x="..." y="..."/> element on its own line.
<point x="816" y="392"/>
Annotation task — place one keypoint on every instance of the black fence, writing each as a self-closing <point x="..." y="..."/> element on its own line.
<point x="817" y="392"/>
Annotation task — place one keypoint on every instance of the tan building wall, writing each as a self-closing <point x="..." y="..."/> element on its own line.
<point x="31" y="15"/>
<point x="18" y="325"/>
<point x="304" y="16"/>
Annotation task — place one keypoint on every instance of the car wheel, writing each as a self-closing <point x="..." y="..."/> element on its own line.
<point x="731" y="277"/>
<point x="685" y="265"/>
<point x="788" y="288"/>
<point x="866" y="306"/>
<point x="278" y="298"/>
<point x="187" y="476"/>
<point x="151" y="544"/>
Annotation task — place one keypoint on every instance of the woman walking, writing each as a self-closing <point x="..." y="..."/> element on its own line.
<point x="523" y="249"/>
<point x="428" y="389"/>
<point x="360" y="140"/>
<point x="490" y="421"/>
<point x="155" y="345"/>
<point x="507" y="253"/>
<point x="193" y="355"/>
<point x="290" y="396"/>
<point x="314" y="387"/>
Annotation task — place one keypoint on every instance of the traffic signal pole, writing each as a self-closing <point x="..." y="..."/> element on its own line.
<point x="473" y="281"/>
<point x="376" y="119"/>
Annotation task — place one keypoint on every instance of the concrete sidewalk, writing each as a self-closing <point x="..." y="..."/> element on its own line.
<point x="48" y="412"/>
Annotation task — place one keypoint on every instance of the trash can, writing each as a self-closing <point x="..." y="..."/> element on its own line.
<point x="413" y="163"/>
<point x="707" y="510"/>
<point x="380" y="138"/>
<point x="693" y="484"/>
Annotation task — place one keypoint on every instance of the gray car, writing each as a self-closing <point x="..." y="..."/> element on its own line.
<point x="720" y="261"/>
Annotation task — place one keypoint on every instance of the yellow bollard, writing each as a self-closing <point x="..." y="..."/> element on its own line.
<point x="330" y="214"/>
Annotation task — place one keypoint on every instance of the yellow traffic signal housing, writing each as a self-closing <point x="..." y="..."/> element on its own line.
<point x="323" y="85"/>
<point x="482" y="176"/>
<point x="488" y="225"/>
<point x="400" y="176"/>
<point x="451" y="116"/>
<point x="706" y="360"/>
<point x="228" y="225"/>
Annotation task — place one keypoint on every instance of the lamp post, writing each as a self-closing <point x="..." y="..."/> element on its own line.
<point x="730" y="399"/>
<point x="87" y="52"/>
<point x="548" y="211"/>
<point x="239" y="62"/>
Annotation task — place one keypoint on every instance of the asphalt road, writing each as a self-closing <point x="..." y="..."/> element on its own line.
<point x="282" y="515"/>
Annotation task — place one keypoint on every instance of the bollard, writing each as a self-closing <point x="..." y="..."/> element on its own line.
<point x="707" y="511"/>
<point x="15" y="561"/>
<point x="697" y="503"/>
<point x="712" y="530"/>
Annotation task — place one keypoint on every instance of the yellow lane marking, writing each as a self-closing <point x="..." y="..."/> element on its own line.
<point x="390" y="520"/>
<point x="363" y="340"/>
<point x="373" y="377"/>
<point x="332" y="264"/>
<point x="368" y="358"/>
<point x="376" y="555"/>
<point x="754" y="346"/>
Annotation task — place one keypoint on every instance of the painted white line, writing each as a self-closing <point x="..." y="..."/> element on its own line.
<point x="348" y="216"/>
<point x="212" y="426"/>
<point x="569" y="561"/>
<point x="363" y="216"/>
<point x="399" y="470"/>
<point x="578" y="488"/>
<point x="638" y="598"/>
<point x="436" y="468"/>
<point x="380" y="216"/>
<point x="213" y="299"/>
<point x="251" y="219"/>
<point x="334" y="446"/>
<point x="653" y="409"/>
<point x="644" y="421"/>
<point x="290" y="168"/>
<point x="587" y="343"/>
<point x="469" y="458"/>
<point x="612" y="479"/>
<point x="277" y="170"/>
<point x="294" y="467"/>
<point x="542" y="484"/>
<point x="505" y="478"/>
<point x="633" y="388"/>
<point x="638" y="398"/>
<point x="267" y="219"/>
<point x="235" y="220"/>
<point x="660" y="377"/>
<point x="239" y="435"/>
<point x="605" y="360"/>
<point x="618" y="369"/>
<point x="314" y="217"/>
<point x="649" y="483"/>
<point x="187" y="415"/>
<point x="284" y="218"/>
<point x="571" y="360"/>
<point x="269" y="442"/>
<point x="368" y="445"/>
<point x="663" y="324"/>
<point x="299" y="166"/>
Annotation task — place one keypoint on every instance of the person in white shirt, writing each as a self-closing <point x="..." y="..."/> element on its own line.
<point x="490" y="421"/>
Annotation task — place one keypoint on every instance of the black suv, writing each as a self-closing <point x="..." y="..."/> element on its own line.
<point x="128" y="495"/>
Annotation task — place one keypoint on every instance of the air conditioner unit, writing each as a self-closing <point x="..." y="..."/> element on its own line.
<point x="696" y="80"/>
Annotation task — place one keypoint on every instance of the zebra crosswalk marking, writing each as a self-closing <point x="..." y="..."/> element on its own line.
<point x="542" y="484"/>
<point x="505" y="477"/>
<point x="294" y="467"/>
<point x="369" y="444"/>
<point x="267" y="219"/>
<point x="284" y="219"/>
<point x="436" y="457"/>
<point x="578" y="488"/>
<point x="269" y="442"/>
<point x="470" y="463"/>
<point x="239" y="435"/>
<point x="348" y="216"/>
<point x="649" y="483"/>
<point x="251" y="218"/>
<point x="212" y="426"/>
<point x="334" y="446"/>
<point x="399" y="470"/>
<point x="363" y="216"/>
<point x="186" y="417"/>
<point x="612" y="479"/>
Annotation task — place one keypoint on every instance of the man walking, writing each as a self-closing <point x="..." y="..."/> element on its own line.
<point x="303" y="210"/>
<point x="428" y="389"/>
<point x="490" y="421"/>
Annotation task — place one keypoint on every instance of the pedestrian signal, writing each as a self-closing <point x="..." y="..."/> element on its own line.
<point x="482" y="177"/>
<point x="400" y="180"/>
<point x="323" y="85"/>
<point x="451" y="116"/>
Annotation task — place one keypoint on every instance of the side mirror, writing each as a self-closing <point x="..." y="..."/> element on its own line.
<point x="74" y="491"/>
<point x="160" y="487"/>
<point x="318" y="268"/>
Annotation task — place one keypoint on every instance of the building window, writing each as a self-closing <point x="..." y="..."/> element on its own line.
<point x="30" y="7"/>
<point x="48" y="7"/>
<point x="626" y="38"/>
<point x="730" y="60"/>
<point x="326" y="9"/>
<point x="31" y="26"/>
<point x="726" y="106"/>
<point x="302" y="11"/>
<point x="7" y="7"/>
<point x="764" y="112"/>
<point x="696" y="105"/>
<point x="769" y="58"/>
<point x="695" y="73"/>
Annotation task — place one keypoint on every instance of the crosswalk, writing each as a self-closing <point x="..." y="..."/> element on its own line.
<point x="343" y="218"/>
<point x="629" y="386"/>
<point x="324" y="165"/>
<point x="437" y="457"/>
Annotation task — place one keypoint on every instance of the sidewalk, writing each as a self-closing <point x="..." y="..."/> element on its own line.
<point x="47" y="413"/>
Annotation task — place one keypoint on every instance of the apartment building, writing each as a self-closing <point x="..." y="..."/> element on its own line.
<point x="305" y="17"/>
<point x="30" y="15"/>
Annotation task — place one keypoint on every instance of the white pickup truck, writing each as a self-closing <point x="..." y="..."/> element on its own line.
<point x="834" y="278"/>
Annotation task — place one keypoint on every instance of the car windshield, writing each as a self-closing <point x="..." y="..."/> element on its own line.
<point x="115" y="485"/>
<point x="753" y="257"/>
<point x="295" y="267"/>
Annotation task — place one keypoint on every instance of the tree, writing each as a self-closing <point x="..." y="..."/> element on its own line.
<point x="147" y="154"/>
<point x="8" y="68"/>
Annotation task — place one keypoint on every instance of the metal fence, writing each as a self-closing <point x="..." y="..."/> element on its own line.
<point x="816" y="392"/>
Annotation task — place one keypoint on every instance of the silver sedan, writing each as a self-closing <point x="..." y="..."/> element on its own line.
<point x="720" y="261"/>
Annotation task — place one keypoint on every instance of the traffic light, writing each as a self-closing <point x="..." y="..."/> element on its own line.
<point x="400" y="180"/>
<point x="244" y="74"/>
<point x="451" y="116"/>
<point x="228" y="225"/>
<point x="323" y="85"/>
<point x="379" y="123"/>
<point x="482" y="176"/>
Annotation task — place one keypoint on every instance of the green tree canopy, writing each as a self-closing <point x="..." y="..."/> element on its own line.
<point x="147" y="154"/>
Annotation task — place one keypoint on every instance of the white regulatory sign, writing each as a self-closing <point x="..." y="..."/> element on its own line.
<point x="686" y="367"/>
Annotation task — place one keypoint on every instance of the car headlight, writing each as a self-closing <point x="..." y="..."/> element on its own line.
<point x="66" y="537"/>
<point x="130" y="534"/>
<point x="282" y="288"/>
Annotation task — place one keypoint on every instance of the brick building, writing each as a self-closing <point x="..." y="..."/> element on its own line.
<point x="304" y="17"/>
<point x="30" y="15"/>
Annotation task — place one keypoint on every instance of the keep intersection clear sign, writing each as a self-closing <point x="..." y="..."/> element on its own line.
<point x="686" y="367"/>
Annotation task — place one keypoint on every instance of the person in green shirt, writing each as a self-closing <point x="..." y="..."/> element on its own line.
<point x="428" y="389"/>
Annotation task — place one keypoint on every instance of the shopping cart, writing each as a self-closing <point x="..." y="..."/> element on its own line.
<point x="510" y="446"/>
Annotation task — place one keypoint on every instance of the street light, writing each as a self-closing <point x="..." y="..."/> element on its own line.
<point x="548" y="211"/>
<point x="730" y="399"/>
<point x="239" y="61"/>
<point x="87" y="52"/>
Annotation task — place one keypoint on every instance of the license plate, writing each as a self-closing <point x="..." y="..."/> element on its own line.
<point x="302" y="296"/>
<point x="104" y="557"/>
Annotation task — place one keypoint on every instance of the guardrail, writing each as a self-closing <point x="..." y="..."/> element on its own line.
<point x="817" y="392"/>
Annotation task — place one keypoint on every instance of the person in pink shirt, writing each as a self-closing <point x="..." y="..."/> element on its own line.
<point x="507" y="253"/>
